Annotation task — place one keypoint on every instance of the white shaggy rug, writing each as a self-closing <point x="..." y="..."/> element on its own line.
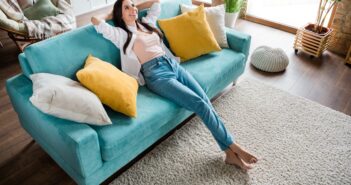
<point x="298" y="142"/>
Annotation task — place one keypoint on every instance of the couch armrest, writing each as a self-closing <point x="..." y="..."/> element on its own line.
<point x="75" y="147"/>
<point x="238" y="41"/>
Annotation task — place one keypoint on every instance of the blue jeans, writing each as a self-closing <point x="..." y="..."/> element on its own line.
<point x="167" y="78"/>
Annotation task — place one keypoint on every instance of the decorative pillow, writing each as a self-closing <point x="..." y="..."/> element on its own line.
<point x="64" y="98"/>
<point x="189" y="34"/>
<point x="42" y="8"/>
<point x="114" y="88"/>
<point x="215" y="18"/>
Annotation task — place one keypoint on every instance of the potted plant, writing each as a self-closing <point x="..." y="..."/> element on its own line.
<point x="232" y="9"/>
<point x="314" y="38"/>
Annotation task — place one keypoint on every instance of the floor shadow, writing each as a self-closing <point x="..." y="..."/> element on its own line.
<point x="264" y="73"/>
<point x="18" y="156"/>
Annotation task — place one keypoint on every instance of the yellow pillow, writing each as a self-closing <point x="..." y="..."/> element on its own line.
<point x="114" y="88"/>
<point x="189" y="34"/>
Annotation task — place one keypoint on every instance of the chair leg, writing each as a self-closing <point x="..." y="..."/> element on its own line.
<point x="19" y="46"/>
<point x="17" y="42"/>
<point x="14" y="40"/>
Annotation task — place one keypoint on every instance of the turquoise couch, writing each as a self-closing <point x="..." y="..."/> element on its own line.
<point x="90" y="154"/>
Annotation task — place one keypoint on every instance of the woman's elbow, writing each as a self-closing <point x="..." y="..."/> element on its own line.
<point x="95" y="21"/>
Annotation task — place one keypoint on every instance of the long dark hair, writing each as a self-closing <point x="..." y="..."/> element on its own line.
<point x="118" y="21"/>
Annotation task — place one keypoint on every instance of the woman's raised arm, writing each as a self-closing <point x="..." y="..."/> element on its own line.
<point x="146" y="4"/>
<point x="109" y="32"/>
<point x="153" y="13"/>
<point x="97" y="19"/>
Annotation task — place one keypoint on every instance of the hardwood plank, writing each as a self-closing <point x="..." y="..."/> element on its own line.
<point x="345" y="80"/>
<point x="347" y="109"/>
<point x="45" y="175"/>
<point x="303" y="86"/>
<point x="27" y="156"/>
<point x="9" y="122"/>
<point x="10" y="139"/>
<point x="8" y="155"/>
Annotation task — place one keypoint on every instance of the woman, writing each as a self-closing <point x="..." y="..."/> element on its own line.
<point x="145" y="57"/>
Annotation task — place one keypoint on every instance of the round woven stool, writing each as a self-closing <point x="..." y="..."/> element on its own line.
<point x="269" y="59"/>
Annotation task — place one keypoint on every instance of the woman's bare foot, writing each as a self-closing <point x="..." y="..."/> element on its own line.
<point x="233" y="159"/>
<point x="243" y="154"/>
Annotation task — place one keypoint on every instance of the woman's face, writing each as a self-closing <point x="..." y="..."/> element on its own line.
<point x="129" y="12"/>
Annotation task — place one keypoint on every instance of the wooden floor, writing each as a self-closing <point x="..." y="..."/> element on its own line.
<point x="325" y="80"/>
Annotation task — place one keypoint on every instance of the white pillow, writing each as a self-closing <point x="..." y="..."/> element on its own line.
<point x="64" y="98"/>
<point x="215" y="18"/>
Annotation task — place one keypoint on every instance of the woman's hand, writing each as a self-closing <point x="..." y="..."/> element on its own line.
<point x="95" y="21"/>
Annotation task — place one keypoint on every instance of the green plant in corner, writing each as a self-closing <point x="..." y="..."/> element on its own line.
<point x="324" y="8"/>
<point x="233" y="6"/>
<point x="314" y="38"/>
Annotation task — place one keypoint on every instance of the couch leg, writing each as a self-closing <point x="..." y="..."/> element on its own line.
<point x="234" y="82"/>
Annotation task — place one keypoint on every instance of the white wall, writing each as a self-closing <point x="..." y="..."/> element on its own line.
<point x="84" y="6"/>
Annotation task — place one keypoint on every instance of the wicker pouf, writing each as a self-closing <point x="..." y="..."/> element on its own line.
<point x="269" y="59"/>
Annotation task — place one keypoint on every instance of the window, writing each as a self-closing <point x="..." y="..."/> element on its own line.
<point x="292" y="13"/>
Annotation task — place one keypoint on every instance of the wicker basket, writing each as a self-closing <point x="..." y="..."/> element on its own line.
<point x="310" y="42"/>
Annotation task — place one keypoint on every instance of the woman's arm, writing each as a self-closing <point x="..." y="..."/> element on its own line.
<point x="153" y="13"/>
<point x="99" y="18"/>
<point x="146" y="4"/>
<point x="109" y="32"/>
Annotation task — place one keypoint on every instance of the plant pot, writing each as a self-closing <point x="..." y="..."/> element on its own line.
<point x="311" y="42"/>
<point x="230" y="19"/>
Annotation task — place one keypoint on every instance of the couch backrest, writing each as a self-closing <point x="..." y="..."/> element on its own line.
<point x="65" y="54"/>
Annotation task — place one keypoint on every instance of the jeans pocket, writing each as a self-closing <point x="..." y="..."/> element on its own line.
<point x="174" y="64"/>
<point x="150" y="68"/>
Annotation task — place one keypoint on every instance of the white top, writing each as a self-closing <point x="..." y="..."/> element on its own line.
<point x="147" y="47"/>
<point x="129" y="61"/>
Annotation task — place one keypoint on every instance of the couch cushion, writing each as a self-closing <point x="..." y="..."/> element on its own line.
<point x="115" y="139"/>
<point x="213" y="71"/>
<point x="216" y="70"/>
<point x="171" y="8"/>
<point x="65" y="54"/>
